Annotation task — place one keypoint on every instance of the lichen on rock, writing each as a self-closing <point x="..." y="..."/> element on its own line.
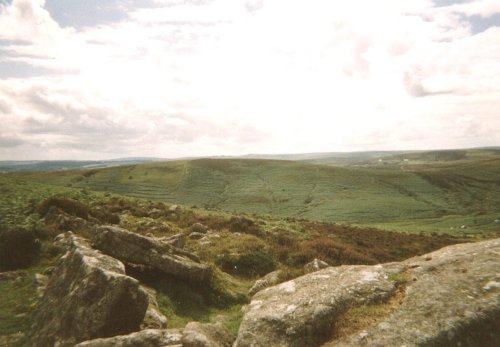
<point x="88" y="296"/>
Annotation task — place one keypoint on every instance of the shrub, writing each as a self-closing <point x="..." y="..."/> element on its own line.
<point x="251" y="264"/>
<point x="244" y="225"/>
<point x="19" y="248"/>
<point x="120" y="205"/>
<point x="89" y="173"/>
<point x="67" y="205"/>
<point x="331" y="251"/>
<point x="283" y="246"/>
<point x="105" y="216"/>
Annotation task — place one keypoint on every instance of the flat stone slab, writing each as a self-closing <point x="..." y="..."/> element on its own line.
<point x="152" y="252"/>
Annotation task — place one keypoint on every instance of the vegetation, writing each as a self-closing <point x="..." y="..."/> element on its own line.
<point x="454" y="192"/>
<point x="19" y="248"/>
<point x="17" y="304"/>
<point x="256" y="216"/>
<point x="65" y="204"/>
<point x="251" y="265"/>
<point x="359" y="317"/>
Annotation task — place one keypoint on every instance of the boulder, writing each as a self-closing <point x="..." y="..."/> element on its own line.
<point x="268" y="280"/>
<point x="195" y="236"/>
<point x="206" y="335"/>
<point x="144" y="338"/>
<point x="177" y="240"/>
<point x="315" y="265"/>
<point x="88" y="296"/>
<point x="450" y="297"/>
<point x="153" y="319"/>
<point x="40" y="281"/>
<point x="64" y="221"/>
<point x="151" y="252"/>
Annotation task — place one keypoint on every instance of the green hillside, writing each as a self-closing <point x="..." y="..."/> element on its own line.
<point x="457" y="196"/>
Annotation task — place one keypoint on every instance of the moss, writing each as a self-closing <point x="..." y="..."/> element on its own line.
<point x="400" y="278"/>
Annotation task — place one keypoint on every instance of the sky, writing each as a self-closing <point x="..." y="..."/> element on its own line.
<point x="101" y="79"/>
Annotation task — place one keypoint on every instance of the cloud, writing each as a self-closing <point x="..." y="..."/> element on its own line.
<point x="483" y="8"/>
<point x="172" y="78"/>
<point x="9" y="142"/>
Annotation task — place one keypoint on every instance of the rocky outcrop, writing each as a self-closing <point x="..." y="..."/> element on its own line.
<point x="151" y="252"/>
<point x="88" y="296"/>
<point x="193" y="335"/>
<point x="315" y="265"/>
<point x="144" y="338"/>
<point x="40" y="281"/>
<point x="153" y="319"/>
<point x="64" y="221"/>
<point x="206" y="335"/>
<point x="450" y="297"/>
<point x="268" y="280"/>
<point x="177" y="240"/>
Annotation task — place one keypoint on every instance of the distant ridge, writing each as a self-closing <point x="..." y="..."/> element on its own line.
<point x="357" y="158"/>
<point x="61" y="165"/>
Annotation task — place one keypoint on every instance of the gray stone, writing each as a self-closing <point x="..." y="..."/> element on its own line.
<point x="446" y="300"/>
<point x="177" y="240"/>
<point x="64" y="221"/>
<point x="153" y="319"/>
<point x="196" y="236"/>
<point x="315" y="265"/>
<point x="206" y="335"/>
<point x="40" y="282"/>
<point x="152" y="252"/>
<point x="88" y="296"/>
<point x="268" y="280"/>
<point x="144" y="338"/>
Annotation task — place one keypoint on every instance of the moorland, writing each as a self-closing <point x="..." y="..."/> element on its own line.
<point x="262" y="213"/>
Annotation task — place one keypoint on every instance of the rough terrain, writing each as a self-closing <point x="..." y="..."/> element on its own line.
<point x="450" y="297"/>
<point x="88" y="296"/>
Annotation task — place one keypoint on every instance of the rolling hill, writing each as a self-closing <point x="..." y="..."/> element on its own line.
<point x="453" y="192"/>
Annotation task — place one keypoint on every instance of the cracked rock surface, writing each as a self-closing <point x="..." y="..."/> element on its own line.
<point x="152" y="252"/>
<point x="88" y="296"/>
<point x="450" y="297"/>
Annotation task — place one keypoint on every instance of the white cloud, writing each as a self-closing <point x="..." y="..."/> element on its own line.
<point x="26" y="20"/>
<point x="483" y="8"/>
<point x="229" y="77"/>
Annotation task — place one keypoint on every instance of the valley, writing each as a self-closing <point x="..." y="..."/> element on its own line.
<point x="239" y="220"/>
<point x="446" y="192"/>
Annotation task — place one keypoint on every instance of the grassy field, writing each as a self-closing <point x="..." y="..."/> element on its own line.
<point x="446" y="192"/>
<point x="262" y="214"/>
<point x="240" y="247"/>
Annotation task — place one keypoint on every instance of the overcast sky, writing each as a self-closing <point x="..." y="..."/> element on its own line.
<point x="99" y="79"/>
